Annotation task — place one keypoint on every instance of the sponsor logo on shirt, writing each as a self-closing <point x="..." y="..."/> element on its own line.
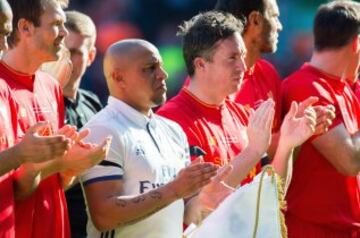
<point x="166" y="174"/>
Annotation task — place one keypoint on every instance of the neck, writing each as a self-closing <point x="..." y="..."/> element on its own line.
<point x="21" y="60"/>
<point x="253" y="53"/>
<point x="70" y="91"/>
<point x="143" y="110"/>
<point x="202" y="91"/>
<point x="334" y="62"/>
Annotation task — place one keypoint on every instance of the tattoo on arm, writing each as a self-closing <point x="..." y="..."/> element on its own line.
<point x="120" y="202"/>
<point x="138" y="199"/>
<point x="153" y="195"/>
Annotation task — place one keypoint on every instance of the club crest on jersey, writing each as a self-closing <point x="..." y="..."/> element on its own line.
<point x="139" y="151"/>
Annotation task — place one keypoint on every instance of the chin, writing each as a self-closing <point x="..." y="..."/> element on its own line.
<point x="160" y="100"/>
<point x="269" y="48"/>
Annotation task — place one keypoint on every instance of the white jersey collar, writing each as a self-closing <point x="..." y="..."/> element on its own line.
<point x="130" y="113"/>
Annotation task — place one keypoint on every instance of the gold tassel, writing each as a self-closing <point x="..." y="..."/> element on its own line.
<point x="282" y="204"/>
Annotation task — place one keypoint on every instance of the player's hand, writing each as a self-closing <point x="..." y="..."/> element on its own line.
<point x="324" y="114"/>
<point x="83" y="156"/>
<point x="296" y="130"/>
<point x="324" y="118"/>
<point x="259" y="127"/>
<point x="36" y="148"/>
<point x="192" y="178"/>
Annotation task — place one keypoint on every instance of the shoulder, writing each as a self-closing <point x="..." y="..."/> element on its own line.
<point x="300" y="80"/>
<point x="267" y="68"/>
<point x="47" y="79"/>
<point x="265" y="65"/>
<point x="89" y="95"/>
<point x="179" y="109"/>
<point x="170" y="126"/>
<point x="92" y="98"/>
<point x="304" y="83"/>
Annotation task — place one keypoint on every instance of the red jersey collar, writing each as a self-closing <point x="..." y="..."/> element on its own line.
<point x="200" y="102"/>
<point x="25" y="79"/>
<point x="211" y="111"/>
<point x="334" y="80"/>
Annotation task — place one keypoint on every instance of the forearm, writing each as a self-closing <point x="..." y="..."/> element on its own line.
<point x="242" y="164"/>
<point x="9" y="160"/>
<point x="282" y="163"/>
<point x="29" y="175"/>
<point x="274" y="144"/>
<point x="127" y="210"/>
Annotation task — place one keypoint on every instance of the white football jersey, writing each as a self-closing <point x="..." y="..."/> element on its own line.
<point x="145" y="153"/>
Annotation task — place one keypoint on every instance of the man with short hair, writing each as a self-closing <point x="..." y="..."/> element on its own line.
<point x="80" y="104"/>
<point x="262" y="25"/>
<point x="261" y="80"/>
<point x="138" y="190"/>
<point x="32" y="148"/>
<point x="37" y="38"/>
<point x="323" y="198"/>
<point x="214" y="54"/>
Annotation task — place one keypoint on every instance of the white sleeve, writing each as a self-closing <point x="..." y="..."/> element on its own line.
<point x="112" y="167"/>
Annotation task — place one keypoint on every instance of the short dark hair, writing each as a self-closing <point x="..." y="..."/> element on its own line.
<point x="241" y="9"/>
<point x="336" y="24"/>
<point x="202" y="32"/>
<point x="30" y="10"/>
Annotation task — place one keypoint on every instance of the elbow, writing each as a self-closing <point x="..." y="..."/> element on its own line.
<point x="102" y="221"/>
<point x="100" y="224"/>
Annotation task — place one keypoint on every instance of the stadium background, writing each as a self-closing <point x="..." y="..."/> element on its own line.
<point x="157" y="21"/>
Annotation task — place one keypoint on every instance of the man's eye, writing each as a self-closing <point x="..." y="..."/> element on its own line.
<point x="152" y="68"/>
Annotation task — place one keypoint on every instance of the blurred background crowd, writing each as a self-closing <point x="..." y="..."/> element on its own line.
<point x="157" y="21"/>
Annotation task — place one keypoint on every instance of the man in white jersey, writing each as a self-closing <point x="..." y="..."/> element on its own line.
<point x="138" y="190"/>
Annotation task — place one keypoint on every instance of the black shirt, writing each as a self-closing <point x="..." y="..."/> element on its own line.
<point x="78" y="112"/>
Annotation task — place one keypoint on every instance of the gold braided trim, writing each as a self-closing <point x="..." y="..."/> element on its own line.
<point x="281" y="200"/>
<point x="282" y="204"/>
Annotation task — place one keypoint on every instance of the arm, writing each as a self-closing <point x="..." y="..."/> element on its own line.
<point x="199" y="207"/>
<point x="341" y="149"/>
<point x="106" y="196"/>
<point x="29" y="148"/>
<point x="259" y="136"/>
<point x="299" y="124"/>
<point x="79" y="158"/>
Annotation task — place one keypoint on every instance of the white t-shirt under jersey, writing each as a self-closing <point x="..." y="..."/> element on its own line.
<point x="145" y="153"/>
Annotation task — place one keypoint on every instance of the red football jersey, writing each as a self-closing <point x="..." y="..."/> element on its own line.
<point x="39" y="98"/>
<point x="8" y="130"/>
<point x="321" y="201"/>
<point x="219" y="130"/>
<point x="260" y="83"/>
